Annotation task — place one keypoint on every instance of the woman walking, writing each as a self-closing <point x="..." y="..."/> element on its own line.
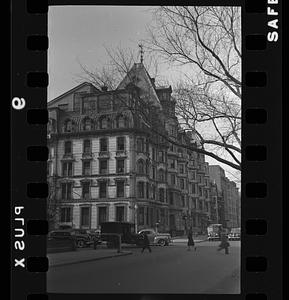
<point x="191" y="240"/>
<point x="224" y="244"/>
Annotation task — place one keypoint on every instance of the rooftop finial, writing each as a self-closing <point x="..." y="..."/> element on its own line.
<point x="141" y="52"/>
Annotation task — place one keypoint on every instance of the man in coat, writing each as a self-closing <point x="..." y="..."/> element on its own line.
<point x="146" y="243"/>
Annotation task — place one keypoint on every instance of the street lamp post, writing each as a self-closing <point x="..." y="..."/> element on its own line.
<point x="135" y="217"/>
<point x="157" y="225"/>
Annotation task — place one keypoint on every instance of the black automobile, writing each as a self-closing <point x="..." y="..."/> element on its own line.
<point x="235" y="234"/>
<point x="60" y="240"/>
<point x="84" y="237"/>
<point x="81" y="237"/>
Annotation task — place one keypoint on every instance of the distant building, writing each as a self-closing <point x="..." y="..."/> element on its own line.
<point x="230" y="212"/>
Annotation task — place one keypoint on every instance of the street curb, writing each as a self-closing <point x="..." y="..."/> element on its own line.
<point x="88" y="260"/>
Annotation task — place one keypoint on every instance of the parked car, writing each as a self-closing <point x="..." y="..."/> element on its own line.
<point x="60" y="241"/>
<point x="235" y="234"/>
<point x="156" y="238"/>
<point x="95" y="236"/>
<point x="213" y="236"/>
<point x="81" y="237"/>
<point x="85" y="237"/>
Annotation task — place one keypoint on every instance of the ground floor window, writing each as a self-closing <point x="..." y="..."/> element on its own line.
<point x="102" y="214"/>
<point x="119" y="212"/>
<point x="147" y="216"/>
<point x="172" y="221"/>
<point x="162" y="216"/>
<point x="85" y="211"/>
<point x="141" y="215"/>
<point x="151" y="213"/>
<point x="66" y="214"/>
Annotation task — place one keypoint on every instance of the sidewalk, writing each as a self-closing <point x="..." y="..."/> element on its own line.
<point x="184" y="239"/>
<point x="82" y="255"/>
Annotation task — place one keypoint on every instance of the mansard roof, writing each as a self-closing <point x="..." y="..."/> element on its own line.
<point x="73" y="90"/>
<point x="141" y="78"/>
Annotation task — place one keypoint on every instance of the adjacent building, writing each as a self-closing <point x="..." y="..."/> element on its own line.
<point x="229" y="202"/>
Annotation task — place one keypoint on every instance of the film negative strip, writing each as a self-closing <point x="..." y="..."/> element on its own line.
<point x="260" y="248"/>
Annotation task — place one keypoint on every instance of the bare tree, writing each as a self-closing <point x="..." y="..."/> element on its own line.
<point x="120" y="61"/>
<point x="205" y="41"/>
<point x="210" y="93"/>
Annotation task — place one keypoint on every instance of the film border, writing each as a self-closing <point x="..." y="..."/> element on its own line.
<point x="261" y="108"/>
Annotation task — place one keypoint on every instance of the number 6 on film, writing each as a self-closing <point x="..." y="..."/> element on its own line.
<point x="18" y="103"/>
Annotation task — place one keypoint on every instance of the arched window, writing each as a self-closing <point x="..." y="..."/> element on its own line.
<point x="140" y="166"/>
<point x="87" y="124"/>
<point x="104" y="123"/>
<point x="121" y="122"/>
<point x="68" y="126"/>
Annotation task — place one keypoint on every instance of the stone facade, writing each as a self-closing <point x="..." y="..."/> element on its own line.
<point x="106" y="163"/>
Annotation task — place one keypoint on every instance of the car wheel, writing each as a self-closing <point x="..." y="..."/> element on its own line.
<point x="80" y="244"/>
<point x="162" y="242"/>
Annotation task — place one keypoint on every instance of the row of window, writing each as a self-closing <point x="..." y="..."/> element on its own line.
<point x="66" y="189"/>
<point x="103" y="145"/>
<point x="87" y="124"/>
<point x="142" y="168"/>
<point x="67" y="171"/>
<point x="141" y="146"/>
<point x="180" y="200"/>
<point x="143" y="190"/>
<point x="101" y="103"/>
<point x="146" y="215"/>
<point x="66" y="215"/>
<point x="67" y="167"/>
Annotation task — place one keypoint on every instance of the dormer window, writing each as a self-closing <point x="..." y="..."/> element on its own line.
<point x="87" y="124"/>
<point x="121" y="122"/>
<point x="104" y="123"/>
<point x="68" y="126"/>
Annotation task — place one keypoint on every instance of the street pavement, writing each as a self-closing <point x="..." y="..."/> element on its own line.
<point x="170" y="269"/>
<point x="83" y="255"/>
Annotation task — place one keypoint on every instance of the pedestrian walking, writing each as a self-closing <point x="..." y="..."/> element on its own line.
<point x="224" y="244"/>
<point x="146" y="243"/>
<point x="191" y="242"/>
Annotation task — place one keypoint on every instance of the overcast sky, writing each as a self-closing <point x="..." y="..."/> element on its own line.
<point x="79" y="34"/>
